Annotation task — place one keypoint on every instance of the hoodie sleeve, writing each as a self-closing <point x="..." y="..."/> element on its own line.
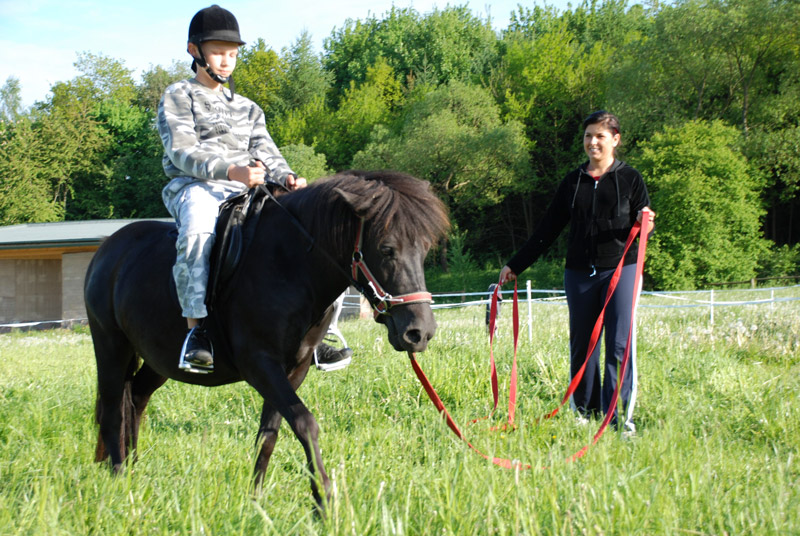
<point x="264" y="149"/>
<point x="555" y="219"/>
<point x="639" y="196"/>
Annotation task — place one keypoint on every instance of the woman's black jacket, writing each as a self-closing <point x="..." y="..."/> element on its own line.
<point x="602" y="214"/>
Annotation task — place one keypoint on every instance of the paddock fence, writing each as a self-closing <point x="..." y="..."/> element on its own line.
<point x="712" y="299"/>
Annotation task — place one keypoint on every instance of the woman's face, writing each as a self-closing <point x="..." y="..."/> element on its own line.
<point x="599" y="143"/>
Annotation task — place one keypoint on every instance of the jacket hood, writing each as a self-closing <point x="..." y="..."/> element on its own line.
<point x="616" y="166"/>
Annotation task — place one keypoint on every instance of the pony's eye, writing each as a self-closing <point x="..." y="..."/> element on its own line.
<point x="387" y="251"/>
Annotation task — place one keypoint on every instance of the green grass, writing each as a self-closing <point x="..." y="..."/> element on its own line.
<point x="716" y="453"/>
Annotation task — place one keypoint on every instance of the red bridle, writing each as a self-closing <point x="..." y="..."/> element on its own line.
<point x="381" y="301"/>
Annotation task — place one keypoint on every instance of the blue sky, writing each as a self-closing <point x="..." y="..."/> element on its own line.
<point x="42" y="38"/>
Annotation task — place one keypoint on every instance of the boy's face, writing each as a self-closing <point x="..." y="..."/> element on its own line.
<point x="220" y="56"/>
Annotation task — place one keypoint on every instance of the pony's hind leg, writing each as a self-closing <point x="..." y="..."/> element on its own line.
<point x="116" y="364"/>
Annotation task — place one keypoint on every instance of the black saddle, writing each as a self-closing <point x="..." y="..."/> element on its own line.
<point x="235" y="228"/>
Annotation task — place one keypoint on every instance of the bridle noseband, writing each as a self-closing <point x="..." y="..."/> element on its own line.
<point x="380" y="300"/>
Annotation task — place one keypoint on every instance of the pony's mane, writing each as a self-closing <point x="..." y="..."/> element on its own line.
<point x="389" y="200"/>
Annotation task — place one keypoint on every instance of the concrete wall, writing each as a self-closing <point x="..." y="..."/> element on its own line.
<point x="73" y="272"/>
<point x="30" y="290"/>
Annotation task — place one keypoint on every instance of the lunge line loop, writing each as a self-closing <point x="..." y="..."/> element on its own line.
<point x="637" y="230"/>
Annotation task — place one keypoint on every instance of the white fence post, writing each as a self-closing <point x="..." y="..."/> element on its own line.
<point x="711" y="301"/>
<point x="530" y="312"/>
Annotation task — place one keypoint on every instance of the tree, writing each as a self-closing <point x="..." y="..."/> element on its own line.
<point x="257" y="77"/>
<point x="715" y="59"/>
<point x="302" y="92"/>
<point x="305" y="162"/>
<point x="304" y="79"/>
<point x="776" y="154"/>
<point x="672" y="74"/>
<point x="549" y="84"/>
<point x="451" y="44"/>
<point x="749" y="33"/>
<point x="10" y="100"/>
<point x="155" y="80"/>
<point x="102" y="78"/>
<point x="708" y="227"/>
<point x="362" y="107"/>
<point x="454" y="138"/>
<point x="25" y="189"/>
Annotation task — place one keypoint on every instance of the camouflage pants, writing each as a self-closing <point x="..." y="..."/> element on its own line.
<point x="195" y="205"/>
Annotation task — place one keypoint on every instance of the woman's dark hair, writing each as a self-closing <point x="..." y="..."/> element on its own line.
<point x="608" y="120"/>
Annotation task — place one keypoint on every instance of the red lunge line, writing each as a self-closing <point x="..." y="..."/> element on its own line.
<point x="507" y="463"/>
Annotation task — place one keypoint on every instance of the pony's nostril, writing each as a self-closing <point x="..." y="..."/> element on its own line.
<point x="413" y="336"/>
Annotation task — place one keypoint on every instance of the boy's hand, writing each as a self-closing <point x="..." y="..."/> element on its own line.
<point x="293" y="182"/>
<point x="250" y="176"/>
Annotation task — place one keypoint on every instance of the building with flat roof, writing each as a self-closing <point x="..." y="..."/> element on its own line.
<point x="42" y="268"/>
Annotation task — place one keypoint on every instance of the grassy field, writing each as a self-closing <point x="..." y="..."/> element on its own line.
<point x="716" y="453"/>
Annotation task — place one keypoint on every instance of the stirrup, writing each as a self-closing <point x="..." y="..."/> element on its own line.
<point x="187" y="366"/>
<point x="336" y="365"/>
<point x="329" y="367"/>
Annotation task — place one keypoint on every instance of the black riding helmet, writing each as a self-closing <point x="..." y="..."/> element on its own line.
<point x="213" y="24"/>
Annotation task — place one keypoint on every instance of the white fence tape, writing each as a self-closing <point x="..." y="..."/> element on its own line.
<point x="687" y="299"/>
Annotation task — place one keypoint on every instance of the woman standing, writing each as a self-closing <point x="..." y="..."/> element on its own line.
<point x="601" y="199"/>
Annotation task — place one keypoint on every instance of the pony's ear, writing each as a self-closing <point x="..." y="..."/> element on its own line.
<point x="359" y="203"/>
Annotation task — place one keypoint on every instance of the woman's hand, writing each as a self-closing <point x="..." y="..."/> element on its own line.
<point x="506" y="275"/>
<point x="650" y="221"/>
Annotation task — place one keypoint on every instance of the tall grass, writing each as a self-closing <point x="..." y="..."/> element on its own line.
<point x="716" y="453"/>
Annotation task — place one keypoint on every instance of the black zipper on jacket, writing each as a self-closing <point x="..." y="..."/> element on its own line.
<point x="592" y="245"/>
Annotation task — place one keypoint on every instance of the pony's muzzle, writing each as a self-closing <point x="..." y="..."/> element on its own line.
<point x="411" y="327"/>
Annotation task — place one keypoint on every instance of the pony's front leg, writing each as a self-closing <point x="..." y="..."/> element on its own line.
<point x="271" y="382"/>
<point x="266" y="439"/>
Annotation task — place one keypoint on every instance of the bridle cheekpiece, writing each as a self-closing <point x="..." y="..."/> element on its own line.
<point x="380" y="300"/>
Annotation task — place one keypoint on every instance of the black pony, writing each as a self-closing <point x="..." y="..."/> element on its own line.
<point x="276" y="309"/>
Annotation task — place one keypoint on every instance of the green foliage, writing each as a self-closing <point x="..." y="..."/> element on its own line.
<point x="305" y="162"/>
<point x="305" y="80"/>
<point x="549" y="85"/>
<point x="258" y="77"/>
<point x="361" y="108"/>
<point x="449" y="44"/>
<point x="706" y="199"/>
<point x="454" y="138"/>
<point x="10" y="100"/>
<point x="155" y="81"/>
<point x="459" y="259"/>
<point x="776" y="155"/>
<point x="25" y="188"/>
<point x="305" y="125"/>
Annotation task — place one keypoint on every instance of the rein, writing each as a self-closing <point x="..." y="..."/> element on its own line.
<point x="637" y="229"/>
